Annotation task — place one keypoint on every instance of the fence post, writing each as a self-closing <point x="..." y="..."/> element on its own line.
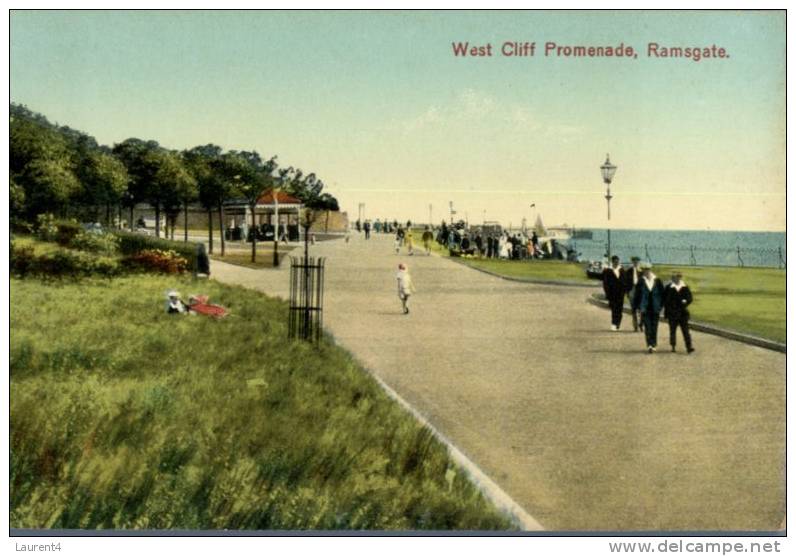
<point x="740" y="260"/>
<point x="693" y="258"/>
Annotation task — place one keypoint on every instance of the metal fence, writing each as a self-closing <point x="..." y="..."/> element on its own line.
<point x="306" y="298"/>
<point x="692" y="255"/>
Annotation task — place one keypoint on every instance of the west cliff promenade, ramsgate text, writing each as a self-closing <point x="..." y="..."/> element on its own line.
<point x="550" y="49"/>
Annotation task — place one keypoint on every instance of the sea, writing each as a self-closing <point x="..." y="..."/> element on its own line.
<point x="690" y="247"/>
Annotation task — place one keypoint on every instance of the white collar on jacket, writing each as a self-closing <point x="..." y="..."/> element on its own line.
<point x="650" y="281"/>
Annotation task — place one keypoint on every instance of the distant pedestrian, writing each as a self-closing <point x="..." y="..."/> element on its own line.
<point x="405" y="286"/>
<point x="410" y="242"/>
<point x="428" y="237"/>
<point x="649" y="300"/>
<point x="503" y="247"/>
<point x="614" y="288"/>
<point x="677" y="297"/>
<point x="366" y="227"/>
<point x="632" y="277"/>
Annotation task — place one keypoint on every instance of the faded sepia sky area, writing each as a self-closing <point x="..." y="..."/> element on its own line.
<point x="379" y="107"/>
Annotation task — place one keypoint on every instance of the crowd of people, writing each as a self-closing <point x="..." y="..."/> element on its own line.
<point x="648" y="297"/>
<point x="495" y="243"/>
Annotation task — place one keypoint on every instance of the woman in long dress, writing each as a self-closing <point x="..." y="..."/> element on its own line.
<point x="503" y="245"/>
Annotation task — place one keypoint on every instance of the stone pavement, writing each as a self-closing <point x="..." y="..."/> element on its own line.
<point x="575" y="422"/>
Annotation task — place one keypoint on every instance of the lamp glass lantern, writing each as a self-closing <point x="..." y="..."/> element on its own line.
<point x="608" y="170"/>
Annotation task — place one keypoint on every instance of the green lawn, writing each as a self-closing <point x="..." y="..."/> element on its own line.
<point x="533" y="269"/>
<point x="750" y="300"/>
<point x="122" y="416"/>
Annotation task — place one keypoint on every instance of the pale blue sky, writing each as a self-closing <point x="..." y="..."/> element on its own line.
<point x="379" y="107"/>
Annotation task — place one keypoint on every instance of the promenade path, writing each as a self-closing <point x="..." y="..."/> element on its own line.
<point x="578" y="424"/>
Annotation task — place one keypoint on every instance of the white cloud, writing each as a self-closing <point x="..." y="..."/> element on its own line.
<point x="471" y="106"/>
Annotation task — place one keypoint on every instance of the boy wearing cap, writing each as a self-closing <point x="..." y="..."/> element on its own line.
<point x="632" y="277"/>
<point x="649" y="300"/>
<point x="614" y="288"/>
<point x="677" y="298"/>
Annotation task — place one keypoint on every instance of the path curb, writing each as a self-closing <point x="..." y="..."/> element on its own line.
<point x="487" y="486"/>
<point x="596" y="299"/>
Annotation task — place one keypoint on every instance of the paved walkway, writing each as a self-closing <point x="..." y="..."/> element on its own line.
<point x="575" y="422"/>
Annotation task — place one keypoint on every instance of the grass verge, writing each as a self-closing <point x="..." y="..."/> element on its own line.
<point x="749" y="300"/>
<point x="125" y="417"/>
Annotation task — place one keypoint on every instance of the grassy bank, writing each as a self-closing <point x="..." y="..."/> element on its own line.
<point x="125" y="417"/>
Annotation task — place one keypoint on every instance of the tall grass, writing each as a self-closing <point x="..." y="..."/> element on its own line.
<point x="125" y="417"/>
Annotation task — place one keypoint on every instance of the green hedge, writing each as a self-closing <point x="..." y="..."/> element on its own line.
<point x="132" y="244"/>
<point x="63" y="263"/>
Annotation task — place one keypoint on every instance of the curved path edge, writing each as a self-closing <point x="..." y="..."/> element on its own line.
<point x="487" y="486"/>
<point x="594" y="299"/>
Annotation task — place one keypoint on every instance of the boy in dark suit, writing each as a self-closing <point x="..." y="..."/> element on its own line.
<point x="632" y="277"/>
<point x="614" y="288"/>
<point x="677" y="297"/>
<point x="649" y="300"/>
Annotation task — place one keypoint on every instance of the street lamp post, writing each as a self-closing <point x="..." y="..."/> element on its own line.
<point x="608" y="170"/>
<point x="275" y="192"/>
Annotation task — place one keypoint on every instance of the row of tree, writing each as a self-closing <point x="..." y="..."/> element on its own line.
<point x="66" y="172"/>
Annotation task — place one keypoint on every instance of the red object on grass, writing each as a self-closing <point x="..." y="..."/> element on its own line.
<point x="199" y="304"/>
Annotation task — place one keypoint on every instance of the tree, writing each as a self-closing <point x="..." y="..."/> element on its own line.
<point x="16" y="198"/>
<point x="134" y="154"/>
<point x="204" y="163"/>
<point x="40" y="162"/>
<point x="105" y="179"/>
<point x="173" y="186"/>
<point x="251" y="177"/>
<point x="50" y="186"/>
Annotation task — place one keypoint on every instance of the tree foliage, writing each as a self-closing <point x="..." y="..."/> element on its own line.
<point x="63" y="170"/>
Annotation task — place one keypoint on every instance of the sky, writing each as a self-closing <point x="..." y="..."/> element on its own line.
<point x="380" y="108"/>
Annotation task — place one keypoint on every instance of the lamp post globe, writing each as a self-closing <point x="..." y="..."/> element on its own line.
<point x="608" y="170"/>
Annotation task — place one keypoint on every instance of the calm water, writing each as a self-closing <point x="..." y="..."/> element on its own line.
<point x="687" y="247"/>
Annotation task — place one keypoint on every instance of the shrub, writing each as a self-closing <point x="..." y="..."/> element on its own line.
<point x="157" y="260"/>
<point x="132" y="243"/>
<point x="61" y="263"/>
<point x="22" y="259"/>
<point x="95" y="243"/>
<point x="67" y="231"/>
<point x="45" y="227"/>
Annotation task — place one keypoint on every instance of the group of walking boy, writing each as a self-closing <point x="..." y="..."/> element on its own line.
<point x="648" y="297"/>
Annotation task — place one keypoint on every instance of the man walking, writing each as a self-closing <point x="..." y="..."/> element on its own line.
<point x="677" y="297"/>
<point x="614" y="288"/>
<point x="649" y="300"/>
<point x="427" y="238"/>
<point x="632" y="276"/>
